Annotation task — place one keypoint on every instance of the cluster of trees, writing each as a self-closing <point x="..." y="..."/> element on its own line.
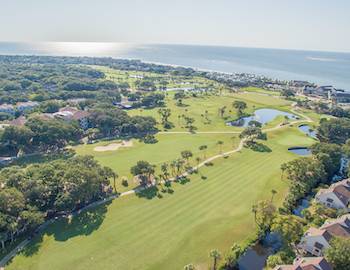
<point x="30" y="195"/>
<point x="111" y="122"/>
<point x="122" y="64"/>
<point x="38" y="135"/>
<point x="38" y="82"/>
<point x="306" y="173"/>
<point x="335" y="130"/>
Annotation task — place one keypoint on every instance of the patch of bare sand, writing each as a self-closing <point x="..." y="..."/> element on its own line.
<point x="113" y="146"/>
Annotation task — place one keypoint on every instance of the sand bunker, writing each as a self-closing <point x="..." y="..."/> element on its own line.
<point x="113" y="146"/>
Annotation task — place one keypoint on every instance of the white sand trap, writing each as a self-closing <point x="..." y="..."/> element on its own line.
<point x="113" y="146"/>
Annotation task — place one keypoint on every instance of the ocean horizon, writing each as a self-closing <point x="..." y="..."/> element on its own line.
<point x="320" y="67"/>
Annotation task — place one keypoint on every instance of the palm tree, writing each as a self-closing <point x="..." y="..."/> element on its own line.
<point x="233" y="141"/>
<point x="255" y="211"/>
<point x="215" y="254"/>
<point x="273" y="193"/>
<point x="173" y="166"/>
<point x="220" y="143"/>
<point x="179" y="165"/>
<point x="203" y="148"/>
<point x="164" y="168"/>
<point x="198" y="159"/>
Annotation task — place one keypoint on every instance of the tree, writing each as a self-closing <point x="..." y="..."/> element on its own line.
<point x="203" y="148"/>
<point x="304" y="174"/>
<point x="264" y="212"/>
<point x="290" y="228"/>
<point x="240" y="106"/>
<point x="144" y="170"/>
<point x="50" y="106"/>
<point x="221" y="111"/>
<point x="250" y="134"/>
<point x="287" y="93"/>
<point x="334" y="130"/>
<point x="189" y="267"/>
<point x="216" y="256"/>
<point x="179" y="163"/>
<point x="274" y="260"/>
<point x="231" y="259"/>
<point x="16" y="138"/>
<point x="220" y="143"/>
<point x="165" y="171"/>
<point x="165" y="114"/>
<point x="110" y="173"/>
<point x="330" y="155"/>
<point x="254" y="123"/>
<point x="153" y="100"/>
<point x="198" y="159"/>
<point x="339" y="253"/>
<point x="189" y="123"/>
<point x="179" y="95"/>
<point x="187" y="154"/>
<point x="273" y="193"/>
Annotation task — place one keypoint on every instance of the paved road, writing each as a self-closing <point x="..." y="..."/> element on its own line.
<point x="21" y="245"/>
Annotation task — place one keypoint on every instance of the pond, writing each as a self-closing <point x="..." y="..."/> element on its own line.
<point x="301" y="151"/>
<point x="308" y="131"/>
<point x="261" y="115"/>
<point x="254" y="258"/>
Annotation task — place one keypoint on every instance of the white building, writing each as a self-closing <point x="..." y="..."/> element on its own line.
<point x="70" y="113"/>
<point x="337" y="196"/>
<point x="316" y="240"/>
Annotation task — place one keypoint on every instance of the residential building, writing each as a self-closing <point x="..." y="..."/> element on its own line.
<point x="316" y="240"/>
<point x="337" y="196"/>
<point x="308" y="263"/>
<point x="70" y="113"/>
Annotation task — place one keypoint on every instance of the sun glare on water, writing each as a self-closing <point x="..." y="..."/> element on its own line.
<point x="86" y="48"/>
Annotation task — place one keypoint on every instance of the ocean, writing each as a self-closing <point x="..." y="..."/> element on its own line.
<point x="322" y="68"/>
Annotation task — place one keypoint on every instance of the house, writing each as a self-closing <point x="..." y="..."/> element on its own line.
<point x="337" y="196"/>
<point x="316" y="240"/>
<point x="26" y="106"/>
<point x="7" y="108"/>
<point x="308" y="263"/>
<point x="70" y="114"/>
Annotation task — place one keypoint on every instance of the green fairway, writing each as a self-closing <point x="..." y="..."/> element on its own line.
<point x="168" y="148"/>
<point x="180" y="228"/>
<point x="198" y="107"/>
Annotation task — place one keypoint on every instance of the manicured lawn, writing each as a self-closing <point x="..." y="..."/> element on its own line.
<point x="260" y="90"/>
<point x="169" y="232"/>
<point x="198" y="107"/>
<point x="173" y="81"/>
<point x="168" y="148"/>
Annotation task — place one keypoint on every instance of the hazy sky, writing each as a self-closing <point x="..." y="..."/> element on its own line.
<point x="296" y="24"/>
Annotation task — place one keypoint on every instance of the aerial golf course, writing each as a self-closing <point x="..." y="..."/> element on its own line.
<point x="178" y="224"/>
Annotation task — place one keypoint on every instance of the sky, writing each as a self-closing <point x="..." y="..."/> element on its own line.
<point x="286" y="24"/>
